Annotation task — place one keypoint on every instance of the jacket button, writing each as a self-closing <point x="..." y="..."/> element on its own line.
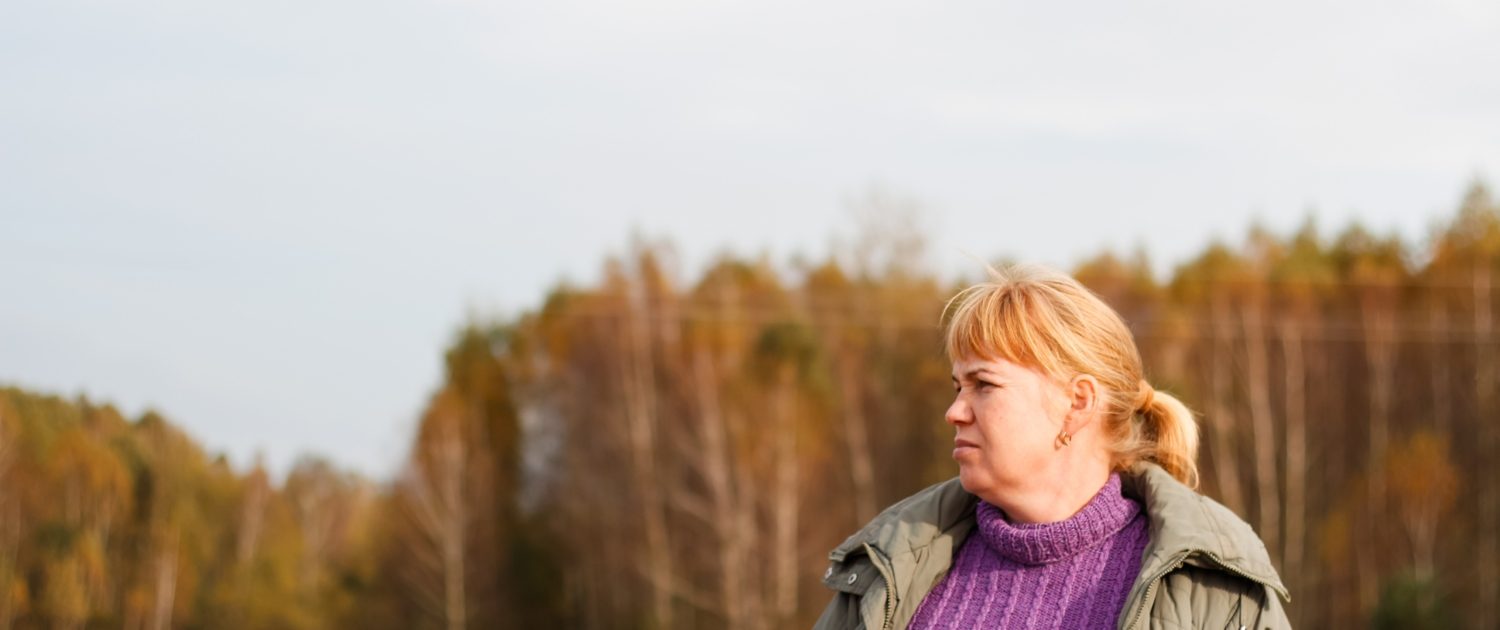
<point x="853" y="577"/>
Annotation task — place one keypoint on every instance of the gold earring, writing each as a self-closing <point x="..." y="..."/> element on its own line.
<point x="1065" y="438"/>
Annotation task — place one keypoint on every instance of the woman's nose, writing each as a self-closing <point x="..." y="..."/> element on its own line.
<point x="958" y="412"/>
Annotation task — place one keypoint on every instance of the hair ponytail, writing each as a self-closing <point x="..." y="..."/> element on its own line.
<point x="1164" y="431"/>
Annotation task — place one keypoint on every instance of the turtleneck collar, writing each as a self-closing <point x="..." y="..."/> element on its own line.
<point x="1042" y="543"/>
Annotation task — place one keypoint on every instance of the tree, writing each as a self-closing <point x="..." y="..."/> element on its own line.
<point x="1424" y="485"/>
<point x="1302" y="277"/>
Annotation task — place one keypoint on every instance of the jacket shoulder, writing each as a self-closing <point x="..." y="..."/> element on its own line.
<point x="1196" y="530"/>
<point x="1239" y="549"/>
<point x="1194" y="597"/>
<point x="1204" y="567"/>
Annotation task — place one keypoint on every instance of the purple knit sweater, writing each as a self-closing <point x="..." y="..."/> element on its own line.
<point x="1069" y="574"/>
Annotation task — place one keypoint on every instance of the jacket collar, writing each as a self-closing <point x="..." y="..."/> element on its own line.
<point x="909" y="547"/>
<point x="914" y="522"/>
<point x="1186" y="528"/>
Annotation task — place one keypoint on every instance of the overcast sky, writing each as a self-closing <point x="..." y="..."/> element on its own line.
<point x="266" y="218"/>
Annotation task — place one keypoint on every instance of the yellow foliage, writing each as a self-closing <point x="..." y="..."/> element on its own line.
<point x="1421" y="474"/>
<point x="65" y="596"/>
<point x="1333" y="538"/>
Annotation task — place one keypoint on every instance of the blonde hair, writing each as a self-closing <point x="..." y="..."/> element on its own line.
<point x="1041" y="318"/>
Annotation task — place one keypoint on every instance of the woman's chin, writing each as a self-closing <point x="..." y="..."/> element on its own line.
<point x="972" y="481"/>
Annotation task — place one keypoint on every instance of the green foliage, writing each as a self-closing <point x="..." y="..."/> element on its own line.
<point x="1412" y="603"/>
<point x="786" y="345"/>
<point x="54" y="538"/>
<point x="537" y="572"/>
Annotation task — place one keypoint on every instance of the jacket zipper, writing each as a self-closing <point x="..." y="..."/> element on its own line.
<point x="885" y="575"/>
<point x="1140" y="608"/>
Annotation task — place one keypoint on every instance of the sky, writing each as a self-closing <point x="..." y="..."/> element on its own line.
<point x="266" y="219"/>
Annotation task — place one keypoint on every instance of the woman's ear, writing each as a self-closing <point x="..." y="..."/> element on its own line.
<point x="1083" y="400"/>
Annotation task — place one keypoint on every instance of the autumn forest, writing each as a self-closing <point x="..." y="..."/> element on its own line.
<point x="661" y="451"/>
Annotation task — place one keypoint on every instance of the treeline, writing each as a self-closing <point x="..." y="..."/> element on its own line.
<point x="651" y="452"/>
<point x="112" y="523"/>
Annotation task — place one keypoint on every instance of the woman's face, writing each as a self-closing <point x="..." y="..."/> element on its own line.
<point x="1006" y="418"/>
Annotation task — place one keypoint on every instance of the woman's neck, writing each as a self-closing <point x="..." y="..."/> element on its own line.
<point x="1048" y="498"/>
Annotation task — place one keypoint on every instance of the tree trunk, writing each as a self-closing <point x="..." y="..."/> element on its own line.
<point x="718" y="474"/>
<point x="10" y="526"/>
<point x="166" y="584"/>
<point x="1442" y="404"/>
<point x="10" y="574"/>
<point x="1226" y="470"/>
<point x="785" y="554"/>
<point x="1487" y="554"/>
<point x="640" y="409"/>
<point x="748" y="528"/>
<point x="454" y="534"/>
<point x="434" y="493"/>
<point x="1380" y="356"/>
<point x="1295" y="402"/>
<point x="1263" y="429"/>
<point x="857" y="440"/>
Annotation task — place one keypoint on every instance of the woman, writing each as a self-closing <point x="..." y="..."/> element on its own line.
<point x="1073" y="506"/>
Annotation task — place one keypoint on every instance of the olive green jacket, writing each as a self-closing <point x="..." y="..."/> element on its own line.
<point x="1203" y="567"/>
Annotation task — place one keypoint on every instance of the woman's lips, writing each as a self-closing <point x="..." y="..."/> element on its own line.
<point x="962" y="446"/>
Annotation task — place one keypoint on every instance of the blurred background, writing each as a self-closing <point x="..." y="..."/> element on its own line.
<point x="486" y="314"/>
